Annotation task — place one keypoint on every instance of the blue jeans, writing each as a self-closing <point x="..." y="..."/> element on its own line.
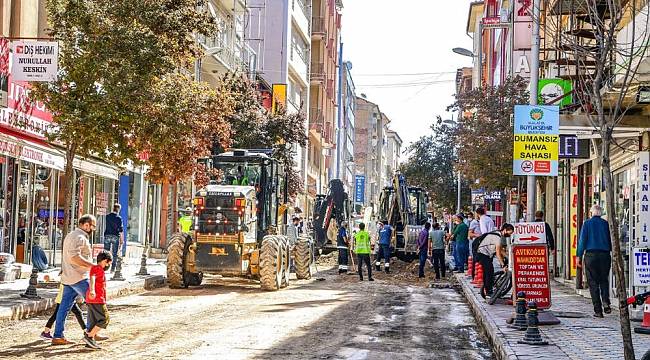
<point x="423" y="261"/>
<point x="111" y="243"/>
<point x="70" y="293"/>
<point x="460" y="255"/>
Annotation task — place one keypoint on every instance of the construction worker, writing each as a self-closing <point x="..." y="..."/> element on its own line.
<point x="385" y="234"/>
<point x="241" y="178"/>
<point x="185" y="221"/>
<point x="342" y="243"/>
<point x="362" y="249"/>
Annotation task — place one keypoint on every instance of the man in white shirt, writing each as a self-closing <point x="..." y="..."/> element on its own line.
<point x="485" y="222"/>
<point x="474" y="230"/>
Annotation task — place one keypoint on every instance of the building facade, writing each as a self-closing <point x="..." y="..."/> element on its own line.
<point x="323" y="96"/>
<point x="343" y="165"/>
<point x="567" y="198"/>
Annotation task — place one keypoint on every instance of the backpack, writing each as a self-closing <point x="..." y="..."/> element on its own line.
<point x="477" y="242"/>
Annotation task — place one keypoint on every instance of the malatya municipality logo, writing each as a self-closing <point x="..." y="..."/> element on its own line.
<point x="536" y="114"/>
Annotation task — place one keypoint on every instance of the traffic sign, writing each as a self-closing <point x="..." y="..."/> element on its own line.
<point x="536" y="140"/>
<point x="529" y="233"/>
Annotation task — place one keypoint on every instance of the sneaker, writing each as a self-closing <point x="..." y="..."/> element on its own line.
<point x="100" y="338"/>
<point x="360" y="279"/>
<point x="598" y="315"/>
<point x="46" y="336"/>
<point x="91" y="342"/>
<point x="607" y="309"/>
<point x="371" y="279"/>
<point x="61" y="341"/>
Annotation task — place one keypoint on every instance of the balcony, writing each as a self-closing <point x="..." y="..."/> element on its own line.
<point x="318" y="29"/>
<point x="300" y="15"/>
<point x="317" y="75"/>
<point x="222" y="51"/>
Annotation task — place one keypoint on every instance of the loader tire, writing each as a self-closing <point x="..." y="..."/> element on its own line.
<point x="176" y="261"/>
<point x="271" y="264"/>
<point x="302" y="259"/>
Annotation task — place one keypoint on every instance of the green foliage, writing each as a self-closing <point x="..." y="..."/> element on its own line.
<point x="430" y="165"/>
<point x="484" y="135"/>
<point x="251" y="127"/>
<point x="111" y="54"/>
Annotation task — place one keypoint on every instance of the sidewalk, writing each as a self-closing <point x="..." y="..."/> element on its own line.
<point x="13" y="306"/>
<point x="584" y="337"/>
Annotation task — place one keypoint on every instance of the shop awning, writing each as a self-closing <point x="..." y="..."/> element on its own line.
<point x="30" y="151"/>
<point x="97" y="167"/>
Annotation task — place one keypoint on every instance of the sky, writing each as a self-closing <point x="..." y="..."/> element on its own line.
<point x="382" y="38"/>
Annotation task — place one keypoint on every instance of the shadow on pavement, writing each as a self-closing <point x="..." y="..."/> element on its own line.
<point x="276" y="308"/>
<point x="43" y="349"/>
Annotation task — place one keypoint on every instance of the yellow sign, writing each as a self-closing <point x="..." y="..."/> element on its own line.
<point x="279" y="97"/>
<point x="536" y="147"/>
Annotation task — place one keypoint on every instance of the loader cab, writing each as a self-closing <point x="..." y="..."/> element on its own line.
<point x="256" y="169"/>
<point x="418" y="199"/>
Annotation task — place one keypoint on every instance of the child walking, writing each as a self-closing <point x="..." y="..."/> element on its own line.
<point x="75" y="310"/>
<point x="96" y="300"/>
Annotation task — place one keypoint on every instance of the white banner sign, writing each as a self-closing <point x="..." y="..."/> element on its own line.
<point x="641" y="267"/>
<point x="643" y="199"/>
<point x="529" y="233"/>
<point x="34" y="60"/>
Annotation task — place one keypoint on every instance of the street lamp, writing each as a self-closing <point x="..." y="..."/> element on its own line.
<point x="463" y="51"/>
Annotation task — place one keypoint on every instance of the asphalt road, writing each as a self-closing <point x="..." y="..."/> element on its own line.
<point x="335" y="317"/>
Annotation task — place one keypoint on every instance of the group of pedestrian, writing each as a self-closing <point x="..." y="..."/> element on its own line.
<point x="81" y="278"/>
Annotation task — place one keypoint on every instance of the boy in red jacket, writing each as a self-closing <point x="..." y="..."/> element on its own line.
<point x="96" y="299"/>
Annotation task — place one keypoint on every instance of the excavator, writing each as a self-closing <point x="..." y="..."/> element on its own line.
<point x="331" y="209"/>
<point x="405" y="209"/>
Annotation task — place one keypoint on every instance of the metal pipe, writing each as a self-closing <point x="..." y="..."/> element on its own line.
<point x="531" y="187"/>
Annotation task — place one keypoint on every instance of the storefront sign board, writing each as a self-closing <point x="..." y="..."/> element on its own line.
<point x="530" y="273"/>
<point x="529" y="233"/>
<point x="35" y="60"/>
<point x="537" y="136"/>
<point x="573" y="222"/>
<point x="641" y="266"/>
<point x="643" y="199"/>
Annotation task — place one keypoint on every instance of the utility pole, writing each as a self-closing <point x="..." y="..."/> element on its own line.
<point x="531" y="187"/>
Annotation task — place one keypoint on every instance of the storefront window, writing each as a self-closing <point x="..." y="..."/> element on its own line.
<point x="135" y="192"/>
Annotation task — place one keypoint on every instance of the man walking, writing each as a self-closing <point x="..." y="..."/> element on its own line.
<point x="362" y="249"/>
<point x="342" y="246"/>
<point x="487" y="249"/>
<point x="385" y="234"/>
<point x="423" y="248"/>
<point x="75" y="265"/>
<point x="438" y="250"/>
<point x="113" y="233"/>
<point x="459" y="237"/>
<point x="595" y="243"/>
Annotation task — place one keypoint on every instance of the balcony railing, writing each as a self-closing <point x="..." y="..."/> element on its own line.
<point x="318" y="26"/>
<point x="318" y="73"/>
<point x="302" y="6"/>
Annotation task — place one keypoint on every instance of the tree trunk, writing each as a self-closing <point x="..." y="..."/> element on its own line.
<point x="619" y="270"/>
<point x="68" y="189"/>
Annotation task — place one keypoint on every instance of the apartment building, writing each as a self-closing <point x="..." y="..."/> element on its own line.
<point x="393" y="152"/>
<point x="323" y="115"/>
<point x="370" y="138"/>
<point x="343" y="164"/>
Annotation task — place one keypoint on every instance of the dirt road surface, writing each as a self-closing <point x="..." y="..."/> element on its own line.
<point x="328" y="317"/>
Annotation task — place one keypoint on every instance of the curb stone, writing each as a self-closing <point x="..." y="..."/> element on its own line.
<point x="488" y="325"/>
<point x="29" y="308"/>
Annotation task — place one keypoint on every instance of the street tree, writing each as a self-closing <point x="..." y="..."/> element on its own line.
<point x="607" y="79"/>
<point x="483" y="129"/>
<point x="430" y="165"/>
<point x="253" y="127"/>
<point x="113" y="55"/>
